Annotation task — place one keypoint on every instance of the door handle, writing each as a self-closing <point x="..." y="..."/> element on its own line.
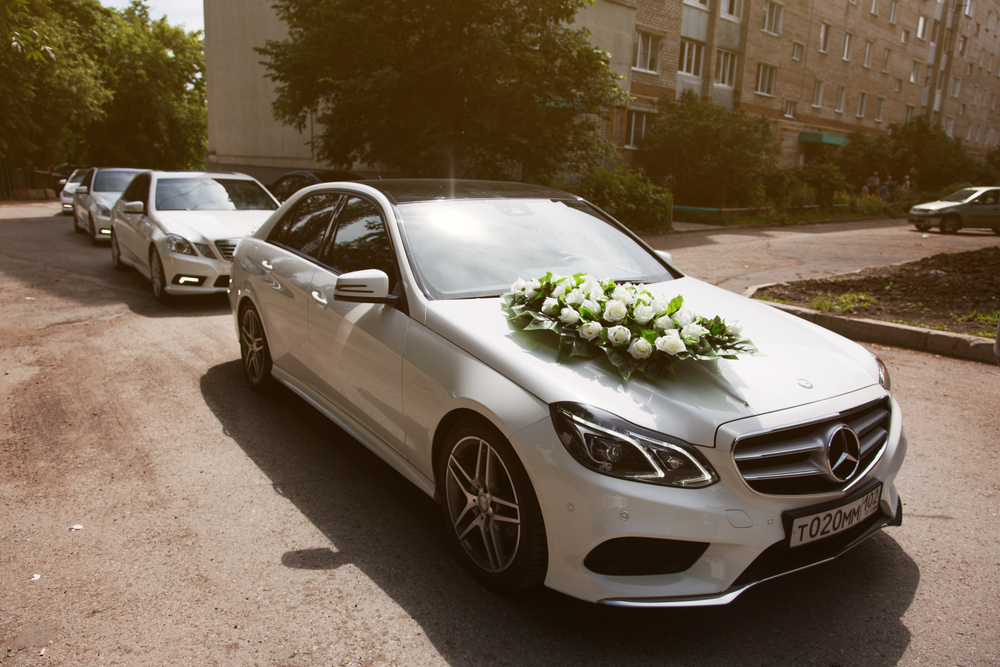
<point x="266" y="264"/>
<point x="318" y="298"/>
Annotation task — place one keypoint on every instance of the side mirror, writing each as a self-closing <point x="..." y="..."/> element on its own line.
<point x="368" y="286"/>
<point x="134" y="207"/>
<point x="82" y="190"/>
<point x="666" y="256"/>
<point x="62" y="181"/>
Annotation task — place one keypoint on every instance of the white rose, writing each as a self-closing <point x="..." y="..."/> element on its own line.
<point x="615" y="311"/>
<point x="575" y="297"/>
<point x="569" y="316"/>
<point x="684" y="317"/>
<point x="619" y="335"/>
<point x="734" y="328"/>
<point x="660" y="305"/>
<point x="643" y="314"/>
<point x="671" y="343"/>
<point x="640" y="348"/>
<point x="531" y="288"/>
<point x="693" y="331"/>
<point x="559" y="285"/>
<point x="625" y="293"/>
<point x="549" y="307"/>
<point x="518" y="286"/>
<point x="665" y="323"/>
<point x="591" y="286"/>
<point x="592" y="306"/>
<point x="591" y="330"/>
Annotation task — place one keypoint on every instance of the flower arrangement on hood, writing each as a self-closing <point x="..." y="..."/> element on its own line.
<point x="637" y="331"/>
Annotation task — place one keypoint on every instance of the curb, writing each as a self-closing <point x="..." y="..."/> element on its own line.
<point x="944" y="343"/>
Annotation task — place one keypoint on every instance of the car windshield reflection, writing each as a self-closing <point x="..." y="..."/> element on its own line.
<point x="211" y="194"/>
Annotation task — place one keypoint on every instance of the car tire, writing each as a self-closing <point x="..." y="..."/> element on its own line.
<point x="922" y="227"/>
<point x="493" y="519"/>
<point x="951" y="225"/>
<point x="254" y="352"/>
<point x="116" y="253"/>
<point x="157" y="277"/>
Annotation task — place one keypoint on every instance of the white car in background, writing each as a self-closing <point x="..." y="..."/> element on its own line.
<point x="380" y="304"/>
<point x="93" y="198"/>
<point x="179" y="229"/>
<point x="68" y="190"/>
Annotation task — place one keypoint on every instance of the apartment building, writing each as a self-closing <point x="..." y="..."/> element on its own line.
<point x="820" y="69"/>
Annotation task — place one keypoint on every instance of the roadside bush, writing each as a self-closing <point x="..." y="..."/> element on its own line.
<point x="628" y="196"/>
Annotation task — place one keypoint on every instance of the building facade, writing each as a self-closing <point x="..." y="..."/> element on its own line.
<point x="820" y="69"/>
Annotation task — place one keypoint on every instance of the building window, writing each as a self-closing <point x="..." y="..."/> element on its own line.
<point x="956" y="86"/>
<point x="993" y="103"/>
<point x="921" y="27"/>
<point x="915" y="72"/>
<point x="961" y="46"/>
<point x="910" y="109"/>
<point x="824" y="37"/>
<point x="818" y="94"/>
<point x="885" y="60"/>
<point x="961" y="109"/>
<point x="796" y="51"/>
<point x="968" y="70"/>
<point x="772" y="17"/>
<point x="847" y="46"/>
<point x="647" y="48"/>
<point x="839" y="107"/>
<point x="725" y="68"/>
<point x="639" y="122"/>
<point x="878" y="109"/>
<point x="692" y="53"/>
<point x="969" y="7"/>
<point x="892" y="13"/>
<point x="862" y="98"/>
<point x="732" y="8"/>
<point x="968" y="133"/>
<point x="875" y="7"/>
<point x="789" y="109"/>
<point x="906" y="37"/>
<point x="868" y="54"/>
<point x="766" y="75"/>
<point x="899" y="85"/>
<point x="949" y="125"/>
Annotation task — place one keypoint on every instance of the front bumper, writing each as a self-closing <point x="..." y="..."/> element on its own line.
<point x="189" y="275"/>
<point x="743" y="532"/>
<point x="931" y="218"/>
<point x="102" y="226"/>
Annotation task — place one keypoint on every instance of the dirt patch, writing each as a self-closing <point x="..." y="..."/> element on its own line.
<point x="957" y="292"/>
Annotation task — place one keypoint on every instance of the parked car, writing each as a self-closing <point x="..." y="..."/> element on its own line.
<point x="98" y="191"/>
<point x="381" y="304"/>
<point x="288" y="184"/>
<point x="69" y="188"/>
<point x="179" y="229"/>
<point x="968" y="208"/>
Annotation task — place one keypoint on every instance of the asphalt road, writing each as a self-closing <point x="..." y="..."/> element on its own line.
<point x="224" y="528"/>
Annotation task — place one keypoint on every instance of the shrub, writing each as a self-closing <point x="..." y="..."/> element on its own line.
<point x="628" y="196"/>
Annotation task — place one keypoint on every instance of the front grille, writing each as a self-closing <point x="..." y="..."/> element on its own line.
<point x="643" y="556"/>
<point x="226" y="248"/>
<point x="792" y="461"/>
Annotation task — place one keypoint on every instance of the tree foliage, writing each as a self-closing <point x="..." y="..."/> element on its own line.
<point x="121" y="89"/>
<point x="484" y="88"/>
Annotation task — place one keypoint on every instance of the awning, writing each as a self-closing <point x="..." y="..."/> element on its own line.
<point x="813" y="138"/>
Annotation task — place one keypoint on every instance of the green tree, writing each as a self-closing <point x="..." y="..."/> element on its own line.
<point x="25" y="40"/>
<point x="484" y="88"/>
<point x="708" y="155"/>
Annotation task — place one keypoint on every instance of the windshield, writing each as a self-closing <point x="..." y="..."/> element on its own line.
<point x="462" y="249"/>
<point x="961" y="195"/>
<point x="205" y="193"/>
<point x="113" y="180"/>
<point x="76" y="176"/>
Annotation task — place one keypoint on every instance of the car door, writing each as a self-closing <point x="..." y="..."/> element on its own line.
<point x="80" y="200"/>
<point x="984" y="210"/>
<point x="356" y="348"/>
<point x="282" y="273"/>
<point x="131" y="243"/>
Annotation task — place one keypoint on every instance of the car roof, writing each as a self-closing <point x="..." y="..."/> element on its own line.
<point x="201" y="174"/>
<point x="409" y="190"/>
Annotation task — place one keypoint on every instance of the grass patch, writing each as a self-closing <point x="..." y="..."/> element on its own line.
<point x="845" y="303"/>
<point x="923" y="325"/>
<point x="979" y="318"/>
<point x="764" y="296"/>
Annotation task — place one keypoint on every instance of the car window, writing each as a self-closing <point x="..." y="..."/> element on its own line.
<point x="988" y="198"/>
<point x="76" y="176"/>
<point x="304" y="227"/>
<point x="113" y="180"/>
<point x="138" y="189"/>
<point x="961" y="195"/>
<point x="360" y="241"/>
<point x="207" y="193"/>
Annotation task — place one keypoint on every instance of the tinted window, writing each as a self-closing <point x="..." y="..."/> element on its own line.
<point x="138" y="189"/>
<point x="113" y="180"/>
<point x="205" y="193"/>
<point x="989" y="198"/>
<point x="304" y="227"/>
<point x="961" y="195"/>
<point x="360" y="241"/>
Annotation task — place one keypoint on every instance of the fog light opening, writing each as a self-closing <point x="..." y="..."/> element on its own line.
<point x="188" y="281"/>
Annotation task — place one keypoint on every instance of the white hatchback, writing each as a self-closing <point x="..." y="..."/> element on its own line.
<point x="528" y="362"/>
<point x="179" y="229"/>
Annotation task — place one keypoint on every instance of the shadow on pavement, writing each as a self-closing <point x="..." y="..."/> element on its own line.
<point x="843" y="613"/>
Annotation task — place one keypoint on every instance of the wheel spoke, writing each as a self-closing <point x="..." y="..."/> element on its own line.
<point x="465" y="482"/>
<point x="493" y="549"/>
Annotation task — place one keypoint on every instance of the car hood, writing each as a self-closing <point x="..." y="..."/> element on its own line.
<point x="937" y="205"/>
<point x="212" y="225"/>
<point x="799" y="363"/>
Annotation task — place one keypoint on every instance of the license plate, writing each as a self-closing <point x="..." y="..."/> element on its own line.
<point x="817" y="526"/>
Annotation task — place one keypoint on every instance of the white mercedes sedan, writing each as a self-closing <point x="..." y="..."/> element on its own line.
<point x="588" y="417"/>
<point x="179" y="229"/>
<point x="93" y="198"/>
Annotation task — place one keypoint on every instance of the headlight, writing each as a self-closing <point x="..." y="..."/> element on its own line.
<point x="612" y="446"/>
<point x="883" y="372"/>
<point x="103" y="211"/>
<point x="179" y="244"/>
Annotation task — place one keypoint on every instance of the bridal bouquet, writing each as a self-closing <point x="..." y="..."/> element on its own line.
<point x="637" y="331"/>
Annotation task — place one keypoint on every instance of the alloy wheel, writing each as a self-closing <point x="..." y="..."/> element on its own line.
<point x="157" y="277"/>
<point x="254" y="350"/>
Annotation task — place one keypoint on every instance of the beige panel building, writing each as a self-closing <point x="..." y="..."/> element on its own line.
<point x="820" y="69"/>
